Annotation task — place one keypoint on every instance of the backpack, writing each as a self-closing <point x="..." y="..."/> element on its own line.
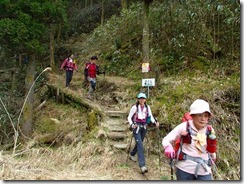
<point x="186" y="139"/>
<point x="148" y="118"/>
<point x="86" y="69"/>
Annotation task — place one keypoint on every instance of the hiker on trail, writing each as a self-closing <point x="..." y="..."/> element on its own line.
<point x="197" y="148"/>
<point x="140" y="115"/>
<point x="92" y="70"/>
<point x="69" y="65"/>
<point x="86" y="82"/>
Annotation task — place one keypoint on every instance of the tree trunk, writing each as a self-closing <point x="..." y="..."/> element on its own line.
<point x="124" y="4"/>
<point x="13" y="75"/>
<point x="51" y="46"/>
<point x="103" y="12"/>
<point x="145" y="35"/>
<point x="27" y="120"/>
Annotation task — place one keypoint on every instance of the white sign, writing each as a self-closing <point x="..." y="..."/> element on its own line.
<point x="148" y="82"/>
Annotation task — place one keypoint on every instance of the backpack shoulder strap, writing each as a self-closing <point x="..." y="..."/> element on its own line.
<point x="188" y="127"/>
<point x="135" y="112"/>
<point x="137" y="108"/>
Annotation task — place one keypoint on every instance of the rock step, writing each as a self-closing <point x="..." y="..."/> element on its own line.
<point x="117" y="128"/>
<point x="118" y="114"/>
<point x="116" y="122"/>
<point x="118" y="145"/>
<point x="117" y="135"/>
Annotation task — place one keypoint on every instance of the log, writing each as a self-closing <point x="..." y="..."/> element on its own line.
<point x="40" y="106"/>
<point x="9" y="70"/>
<point x="73" y="98"/>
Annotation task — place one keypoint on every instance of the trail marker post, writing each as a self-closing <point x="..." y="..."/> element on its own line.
<point x="148" y="83"/>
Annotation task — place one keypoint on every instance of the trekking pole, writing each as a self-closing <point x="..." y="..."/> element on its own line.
<point x="104" y="74"/>
<point x="215" y="169"/>
<point x="158" y="137"/>
<point x="159" y="158"/>
<point x="129" y="149"/>
<point x="171" y="163"/>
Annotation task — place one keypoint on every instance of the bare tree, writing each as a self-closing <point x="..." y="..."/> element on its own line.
<point x="27" y="124"/>
<point x="124" y="4"/>
<point x="146" y="31"/>
<point x="102" y="12"/>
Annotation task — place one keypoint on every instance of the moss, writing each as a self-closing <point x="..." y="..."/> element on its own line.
<point x="198" y="65"/>
<point x="91" y="134"/>
<point x="45" y="125"/>
<point x="92" y="120"/>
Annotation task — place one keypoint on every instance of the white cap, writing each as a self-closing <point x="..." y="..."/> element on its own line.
<point x="199" y="106"/>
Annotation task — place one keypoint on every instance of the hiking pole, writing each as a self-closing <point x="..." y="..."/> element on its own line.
<point x="159" y="158"/>
<point x="129" y="149"/>
<point x="171" y="168"/>
<point x="215" y="169"/>
<point x="158" y="137"/>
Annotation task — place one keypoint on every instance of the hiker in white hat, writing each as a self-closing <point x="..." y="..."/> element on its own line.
<point x="195" y="152"/>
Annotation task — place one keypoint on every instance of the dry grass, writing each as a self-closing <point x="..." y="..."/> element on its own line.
<point x="90" y="161"/>
<point x="96" y="160"/>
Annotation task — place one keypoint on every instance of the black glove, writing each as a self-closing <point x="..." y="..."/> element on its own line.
<point x="131" y="127"/>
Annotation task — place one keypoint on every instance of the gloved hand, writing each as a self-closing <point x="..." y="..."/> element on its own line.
<point x="133" y="126"/>
<point x="169" y="152"/>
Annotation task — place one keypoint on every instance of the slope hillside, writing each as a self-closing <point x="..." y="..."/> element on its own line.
<point x="76" y="138"/>
<point x="65" y="153"/>
<point x="70" y="150"/>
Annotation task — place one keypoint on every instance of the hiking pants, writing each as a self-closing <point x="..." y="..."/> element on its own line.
<point x="92" y="86"/>
<point x="69" y="75"/>
<point x="139" y="149"/>
<point x="182" y="175"/>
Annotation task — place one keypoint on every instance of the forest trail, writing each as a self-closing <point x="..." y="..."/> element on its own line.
<point x="106" y="159"/>
<point x="118" y="138"/>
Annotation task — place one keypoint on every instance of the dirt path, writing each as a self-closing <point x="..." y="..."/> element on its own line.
<point x="120" y="170"/>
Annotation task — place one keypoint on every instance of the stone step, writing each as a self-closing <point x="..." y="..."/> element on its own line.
<point x="117" y="135"/>
<point x="116" y="128"/>
<point x="119" y="145"/>
<point x="116" y="121"/>
<point x="118" y="114"/>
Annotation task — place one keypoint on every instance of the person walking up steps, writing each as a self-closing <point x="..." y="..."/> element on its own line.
<point x="69" y="65"/>
<point x="197" y="149"/>
<point x="140" y="114"/>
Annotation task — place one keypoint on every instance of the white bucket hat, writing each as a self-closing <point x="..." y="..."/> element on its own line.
<point x="199" y="106"/>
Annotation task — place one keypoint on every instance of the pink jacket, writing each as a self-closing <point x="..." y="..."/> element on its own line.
<point x="189" y="166"/>
<point x="68" y="64"/>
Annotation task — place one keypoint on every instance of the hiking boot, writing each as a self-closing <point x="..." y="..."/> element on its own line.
<point x="133" y="158"/>
<point x="144" y="169"/>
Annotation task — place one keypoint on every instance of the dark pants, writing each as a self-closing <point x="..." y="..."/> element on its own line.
<point x="69" y="75"/>
<point x="92" y="85"/>
<point x="182" y="175"/>
<point x="139" y="149"/>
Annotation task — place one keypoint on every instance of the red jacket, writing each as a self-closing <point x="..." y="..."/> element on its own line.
<point x="92" y="70"/>
<point x="68" y="64"/>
